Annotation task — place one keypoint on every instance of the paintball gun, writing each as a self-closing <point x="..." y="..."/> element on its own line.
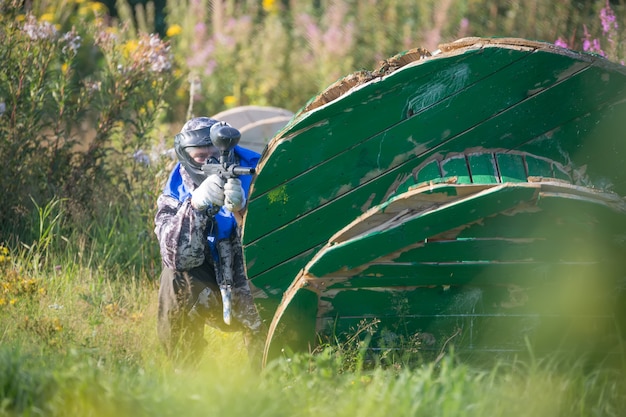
<point x="225" y="137"/>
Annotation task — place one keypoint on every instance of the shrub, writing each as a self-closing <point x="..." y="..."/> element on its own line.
<point x="72" y="132"/>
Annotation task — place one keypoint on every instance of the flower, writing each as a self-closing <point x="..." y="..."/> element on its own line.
<point x="72" y="42"/>
<point x="607" y="18"/>
<point x="98" y="7"/>
<point x="174" y="30"/>
<point x="130" y="47"/>
<point x="561" y="42"/>
<point x="39" y="30"/>
<point x="270" y="6"/>
<point x="47" y="17"/>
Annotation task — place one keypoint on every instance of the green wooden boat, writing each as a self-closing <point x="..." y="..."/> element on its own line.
<point x="473" y="196"/>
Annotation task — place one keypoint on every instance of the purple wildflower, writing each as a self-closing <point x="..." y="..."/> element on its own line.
<point x="607" y="18"/>
<point x="561" y="42"/>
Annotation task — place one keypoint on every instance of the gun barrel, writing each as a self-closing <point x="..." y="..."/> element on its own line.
<point x="239" y="170"/>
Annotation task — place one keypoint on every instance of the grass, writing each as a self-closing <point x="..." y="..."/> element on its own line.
<point x="79" y="341"/>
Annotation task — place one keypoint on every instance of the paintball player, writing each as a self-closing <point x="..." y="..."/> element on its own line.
<point x="199" y="236"/>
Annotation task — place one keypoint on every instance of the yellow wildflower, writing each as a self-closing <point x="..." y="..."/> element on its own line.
<point x="174" y="30"/>
<point x="13" y="301"/>
<point x="84" y="11"/>
<point x="270" y="6"/>
<point x="56" y="324"/>
<point x="181" y="92"/>
<point x="230" y="100"/>
<point x="47" y="17"/>
<point x="129" y="47"/>
<point x="97" y="7"/>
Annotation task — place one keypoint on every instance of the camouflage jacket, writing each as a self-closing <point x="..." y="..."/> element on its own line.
<point x="188" y="237"/>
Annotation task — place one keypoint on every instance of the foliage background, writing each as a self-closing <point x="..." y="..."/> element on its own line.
<point x="93" y="101"/>
<point x="89" y="104"/>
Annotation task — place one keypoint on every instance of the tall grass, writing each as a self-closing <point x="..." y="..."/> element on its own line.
<point x="81" y="341"/>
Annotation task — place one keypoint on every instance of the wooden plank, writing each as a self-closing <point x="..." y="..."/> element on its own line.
<point x="569" y="295"/>
<point x="593" y="216"/>
<point x="360" y="250"/>
<point x="492" y="334"/>
<point x="483" y="168"/>
<point x="562" y="289"/>
<point x="479" y="168"/>
<point x="583" y="206"/>
<point x="591" y="144"/>
<point x="272" y="283"/>
<point x="316" y="140"/>
<point x="430" y="172"/>
<point x="280" y="276"/>
<point x="487" y="293"/>
<point x="417" y="200"/>
<point x="456" y="167"/>
<point x="497" y="249"/>
<point x="512" y="167"/>
<point x="529" y="123"/>
<point x="296" y="331"/>
<point x="397" y="275"/>
<point x="538" y="168"/>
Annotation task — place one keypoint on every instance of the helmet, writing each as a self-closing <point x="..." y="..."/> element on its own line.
<point x="194" y="133"/>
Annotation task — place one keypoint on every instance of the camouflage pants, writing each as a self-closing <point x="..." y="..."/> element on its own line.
<point x="189" y="300"/>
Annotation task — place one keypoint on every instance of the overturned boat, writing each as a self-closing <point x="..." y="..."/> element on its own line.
<point x="469" y="197"/>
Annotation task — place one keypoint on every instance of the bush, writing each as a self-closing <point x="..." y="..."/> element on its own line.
<point x="74" y="133"/>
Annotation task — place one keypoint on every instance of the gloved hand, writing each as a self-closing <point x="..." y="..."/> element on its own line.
<point x="234" y="197"/>
<point x="211" y="191"/>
